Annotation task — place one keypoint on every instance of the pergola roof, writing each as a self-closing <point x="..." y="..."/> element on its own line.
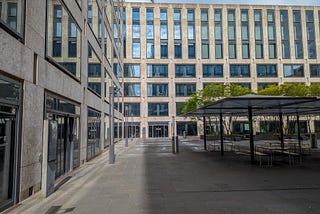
<point x="260" y="105"/>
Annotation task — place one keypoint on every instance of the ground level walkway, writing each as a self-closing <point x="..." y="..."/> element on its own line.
<point x="148" y="179"/>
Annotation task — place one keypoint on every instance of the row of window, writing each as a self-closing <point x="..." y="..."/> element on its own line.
<point x="216" y="70"/>
<point x="258" y="27"/>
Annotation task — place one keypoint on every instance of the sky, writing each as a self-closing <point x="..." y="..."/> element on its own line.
<point x="259" y="2"/>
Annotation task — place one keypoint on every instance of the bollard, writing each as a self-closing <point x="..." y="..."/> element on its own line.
<point x="173" y="146"/>
<point x="177" y="144"/>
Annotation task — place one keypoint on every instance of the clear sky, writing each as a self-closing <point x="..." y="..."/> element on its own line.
<point x="260" y="2"/>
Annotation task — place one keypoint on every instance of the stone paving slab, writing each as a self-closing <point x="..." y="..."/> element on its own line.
<point x="148" y="179"/>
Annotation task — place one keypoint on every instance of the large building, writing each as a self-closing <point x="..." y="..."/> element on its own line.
<point x="55" y="79"/>
<point x="172" y="50"/>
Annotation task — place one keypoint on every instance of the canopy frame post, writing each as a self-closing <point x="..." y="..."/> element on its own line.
<point x="204" y="133"/>
<point x="221" y="134"/>
<point x="251" y="134"/>
<point x="299" y="133"/>
<point x="281" y="130"/>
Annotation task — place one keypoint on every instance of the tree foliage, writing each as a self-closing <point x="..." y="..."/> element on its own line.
<point x="211" y="93"/>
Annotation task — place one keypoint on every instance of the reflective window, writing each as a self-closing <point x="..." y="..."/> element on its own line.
<point x="240" y="70"/>
<point x="312" y="53"/>
<point x="271" y="34"/>
<point x="185" y="89"/>
<point x="157" y="90"/>
<point x="315" y="70"/>
<point x="297" y="34"/>
<point x="185" y="71"/>
<point x="149" y="14"/>
<point x="131" y="70"/>
<point x="94" y="71"/>
<point x="263" y="85"/>
<point x="164" y="50"/>
<point x="218" y="33"/>
<point x="12" y="15"/>
<point x="177" y="15"/>
<point x="94" y="124"/>
<point x="95" y="19"/>
<point x="177" y="49"/>
<point x="204" y="34"/>
<point x="285" y="40"/>
<point x="157" y="70"/>
<point x="136" y="30"/>
<point x="163" y="14"/>
<point x="191" y="50"/>
<point x="293" y="70"/>
<point x="63" y="39"/>
<point x="212" y="70"/>
<point x="150" y="31"/>
<point x="258" y="34"/>
<point x="117" y="70"/>
<point x="245" y="34"/>
<point x="136" y="50"/>
<point x="158" y="109"/>
<point x="132" y="109"/>
<point x="136" y="14"/>
<point x="132" y="89"/>
<point x="163" y="30"/>
<point x="267" y="70"/>
<point x="150" y="49"/>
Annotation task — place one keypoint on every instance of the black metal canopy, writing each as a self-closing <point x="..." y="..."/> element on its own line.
<point x="260" y="105"/>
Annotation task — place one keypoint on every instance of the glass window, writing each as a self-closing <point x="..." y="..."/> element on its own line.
<point x="312" y="53"/>
<point x="94" y="71"/>
<point x="240" y="70"/>
<point x="157" y="70"/>
<point x="185" y="89"/>
<point x="13" y="18"/>
<point x="177" y="31"/>
<point x="218" y="32"/>
<point x="291" y="70"/>
<point x="157" y="90"/>
<point x="149" y="14"/>
<point x="259" y="51"/>
<point x="218" y="51"/>
<point x="163" y="14"/>
<point x="190" y="15"/>
<point x="94" y="19"/>
<point x="190" y="31"/>
<point x="150" y="31"/>
<point x="63" y="34"/>
<point x="177" y="50"/>
<point x="212" y="70"/>
<point x="136" y="31"/>
<point x="204" y="31"/>
<point x="136" y="50"/>
<point x="158" y="109"/>
<point x="163" y="31"/>
<point x="267" y="70"/>
<point x="315" y="70"/>
<point x="133" y="109"/>
<point x="136" y="14"/>
<point x="164" y="50"/>
<point x="131" y="70"/>
<point x="245" y="51"/>
<point x="150" y="49"/>
<point x="132" y="90"/>
<point x="177" y="15"/>
<point x="191" y="50"/>
<point x="232" y="51"/>
<point x="285" y="46"/>
<point x="217" y="15"/>
<point x="205" y="50"/>
<point x="185" y="71"/>
<point x="94" y="123"/>
<point x="204" y="15"/>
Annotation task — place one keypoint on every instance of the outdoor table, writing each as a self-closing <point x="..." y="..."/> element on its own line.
<point x="272" y="150"/>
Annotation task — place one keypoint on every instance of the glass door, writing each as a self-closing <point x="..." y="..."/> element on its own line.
<point x="61" y="146"/>
<point x="7" y="154"/>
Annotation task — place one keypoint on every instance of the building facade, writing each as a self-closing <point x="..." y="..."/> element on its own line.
<point x="56" y="89"/>
<point x="172" y="50"/>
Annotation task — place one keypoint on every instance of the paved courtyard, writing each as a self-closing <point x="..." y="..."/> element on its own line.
<point x="148" y="179"/>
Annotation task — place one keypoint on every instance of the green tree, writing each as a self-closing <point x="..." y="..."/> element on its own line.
<point x="294" y="89"/>
<point x="315" y="89"/>
<point x="272" y="90"/>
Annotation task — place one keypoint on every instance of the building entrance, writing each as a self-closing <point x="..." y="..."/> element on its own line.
<point x="10" y="93"/>
<point x="158" y="130"/>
